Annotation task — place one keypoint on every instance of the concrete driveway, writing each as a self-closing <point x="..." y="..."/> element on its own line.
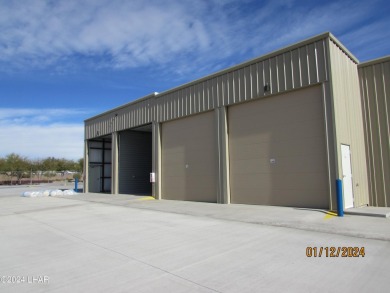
<point x="106" y="243"/>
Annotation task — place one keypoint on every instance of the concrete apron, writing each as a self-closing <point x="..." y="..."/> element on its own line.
<point x="380" y="212"/>
<point x="125" y="199"/>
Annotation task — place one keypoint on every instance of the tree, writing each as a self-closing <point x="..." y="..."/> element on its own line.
<point x="80" y="165"/>
<point x="37" y="167"/>
<point x="14" y="165"/>
<point x="49" y="174"/>
<point x="17" y="166"/>
<point x="3" y="167"/>
<point x="49" y="164"/>
<point x="77" y="176"/>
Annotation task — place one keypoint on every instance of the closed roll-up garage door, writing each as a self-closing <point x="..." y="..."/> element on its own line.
<point x="189" y="164"/>
<point x="278" y="151"/>
<point x="135" y="162"/>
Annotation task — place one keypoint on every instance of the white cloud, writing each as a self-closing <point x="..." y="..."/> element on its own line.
<point x="41" y="114"/>
<point x="192" y="35"/>
<point x="41" y="141"/>
<point x="190" y="38"/>
<point x="365" y="41"/>
<point x="39" y="133"/>
<point x="129" y="33"/>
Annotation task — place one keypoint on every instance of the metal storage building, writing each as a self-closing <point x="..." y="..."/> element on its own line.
<point x="276" y="130"/>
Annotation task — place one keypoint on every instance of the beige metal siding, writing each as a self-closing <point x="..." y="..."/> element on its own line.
<point x="290" y="68"/>
<point x="375" y="93"/>
<point x="290" y="129"/>
<point x="320" y="61"/>
<point x="189" y="159"/>
<point x="348" y="118"/>
<point x="135" y="114"/>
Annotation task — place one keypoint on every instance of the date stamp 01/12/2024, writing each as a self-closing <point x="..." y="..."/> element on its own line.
<point x="311" y="251"/>
<point x="333" y="251"/>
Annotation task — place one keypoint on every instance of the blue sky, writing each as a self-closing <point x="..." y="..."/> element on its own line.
<point x="64" y="61"/>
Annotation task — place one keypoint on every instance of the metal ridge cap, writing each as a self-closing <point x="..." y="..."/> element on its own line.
<point x="342" y="47"/>
<point x="374" y="61"/>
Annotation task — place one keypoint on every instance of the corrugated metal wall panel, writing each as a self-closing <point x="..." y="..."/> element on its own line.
<point x="266" y="73"/>
<point x="292" y="69"/>
<point x="120" y="119"/>
<point x="348" y="118"/>
<point x="312" y="59"/>
<point x="253" y="81"/>
<point x="260" y="79"/>
<point x="321" y="60"/>
<point x="247" y="92"/>
<point x="281" y="73"/>
<point x="288" y="71"/>
<point x="273" y="75"/>
<point x="228" y="88"/>
<point x="303" y="55"/>
<point x="296" y="69"/>
<point x="375" y="92"/>
<point x="223" y="89"/>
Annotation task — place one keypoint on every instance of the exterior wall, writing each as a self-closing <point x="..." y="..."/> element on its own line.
<point x="348" y="121"/>
<point x="295" y="68"/>
<point x="115" y="163"/>
<point x="85" y="167"/>
<point x="320" y="61"/>
<point x="221" y="125"/>
<point x="291" y="68"/>
<point x="137" y="113"/>
<point x="375" y="92"/>
<point x="156" y="159"/>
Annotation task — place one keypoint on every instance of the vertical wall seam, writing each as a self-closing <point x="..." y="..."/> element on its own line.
<point x="308" y="64"/>
<point x="284" y="71"/>
<point x="371" y="144"/>
<point x="316" y="59"/>
<point x="300" y="67"/>
<point x="292" y="70"/>
<point x="277" y="74"/>
<point x="270" y="75"/>
<point x="327" y="141"/>
<point x="379" y="130"/>
<point x="387" y="121"/>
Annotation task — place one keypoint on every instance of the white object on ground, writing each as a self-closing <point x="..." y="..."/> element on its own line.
<point x="69" y="192"/>
<point x="42" y="193"/>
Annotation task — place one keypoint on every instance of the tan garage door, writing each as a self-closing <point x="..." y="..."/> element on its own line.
<point x="189" y="165"/>
<point x="277" y="151"/>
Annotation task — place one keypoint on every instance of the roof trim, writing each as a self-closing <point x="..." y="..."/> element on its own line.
<point x="342" y="47"/>
<point x="374" y="61"/>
